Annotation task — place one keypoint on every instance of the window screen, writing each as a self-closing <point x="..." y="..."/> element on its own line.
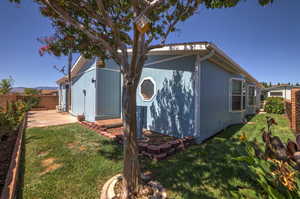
<point x="251" y="95"/>
<point x="238" y="95"/>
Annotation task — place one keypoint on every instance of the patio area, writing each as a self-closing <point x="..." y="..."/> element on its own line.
<point x="48" y="118"/>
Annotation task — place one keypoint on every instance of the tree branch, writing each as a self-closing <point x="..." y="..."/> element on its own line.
<point x="152" y="5"/>
<point x="93" y="36"/>
<point x="116" y="32"/>
<point x="171" y="27"/>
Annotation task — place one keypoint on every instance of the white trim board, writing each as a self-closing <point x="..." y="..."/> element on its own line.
<point x="165" y="60"/>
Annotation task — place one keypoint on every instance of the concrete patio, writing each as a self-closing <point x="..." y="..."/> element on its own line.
<point x="48" y="118"/>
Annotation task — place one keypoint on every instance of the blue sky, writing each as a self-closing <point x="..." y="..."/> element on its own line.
<point x="263" y="40"/>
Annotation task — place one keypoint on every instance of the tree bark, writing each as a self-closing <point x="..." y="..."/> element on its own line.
<point x="131" y="170"/>
<point x="69" y="81"/>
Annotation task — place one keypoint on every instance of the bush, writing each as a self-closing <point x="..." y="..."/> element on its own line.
<point x="274" y="105"/>
<point x="274" y="168"/>
<point x="31" y="100"/>
<point x="10" y="120"/>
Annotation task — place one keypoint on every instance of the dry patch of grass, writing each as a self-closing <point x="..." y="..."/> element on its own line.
<point x="73" y="145"/>
<point x="50" y="165"/>
<point x="77" y="146"/>
<point x="43" y="153"/>
<point x="82" y="148"/>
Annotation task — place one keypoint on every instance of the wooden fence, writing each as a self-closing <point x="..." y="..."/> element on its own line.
<point x="47" y="102"/>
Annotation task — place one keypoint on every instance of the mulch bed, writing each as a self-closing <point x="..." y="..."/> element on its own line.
<point x="7" y="144"/>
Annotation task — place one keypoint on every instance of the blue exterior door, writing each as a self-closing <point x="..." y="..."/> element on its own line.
<point x="108" y="93"/>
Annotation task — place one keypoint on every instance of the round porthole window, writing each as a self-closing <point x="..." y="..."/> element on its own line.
<point x="147" y="89"/>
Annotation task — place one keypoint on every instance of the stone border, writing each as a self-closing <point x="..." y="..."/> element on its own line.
<point x="156" y="152"/>
<point x="108" y="191"/>
<point x="12" y="177"/>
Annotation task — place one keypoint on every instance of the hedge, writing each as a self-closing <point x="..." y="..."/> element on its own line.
<point x="274" y="105"/>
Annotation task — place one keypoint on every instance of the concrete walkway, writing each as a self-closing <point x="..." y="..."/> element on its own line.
<point x="48" y="118"/>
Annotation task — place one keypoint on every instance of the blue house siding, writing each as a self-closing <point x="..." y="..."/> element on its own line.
<point x="108" y="91"/>
<point x="171" y="111"/>
<point x="214" y="100"/>
<point x="84" y="92"/>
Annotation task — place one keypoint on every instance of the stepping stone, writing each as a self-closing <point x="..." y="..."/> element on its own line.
<point x="142" y="146"/>
<point x="149" y="155"/>
<point x="165" y="147"/>
<point x="153" y="149"/>
<point x="174" y="143"/>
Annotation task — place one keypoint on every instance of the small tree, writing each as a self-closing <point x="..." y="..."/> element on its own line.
<point x="107" y="29"/>
<point x="6" y="85"/>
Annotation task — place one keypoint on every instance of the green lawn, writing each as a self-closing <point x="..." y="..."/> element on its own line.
<point x="73" y="162"/>
<point x="68" y="162"/>
<point x="208" y="170"/>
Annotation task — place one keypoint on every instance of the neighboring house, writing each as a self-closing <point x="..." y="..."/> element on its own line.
<point x="283" y="90"/>
<point x="187" y="89"/>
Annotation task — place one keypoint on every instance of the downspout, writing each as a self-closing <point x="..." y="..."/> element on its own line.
<point x="197" y="83"/>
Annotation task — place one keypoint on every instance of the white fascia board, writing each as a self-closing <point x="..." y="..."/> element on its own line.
<point x="176" y="48"/>
<point x="234" y="64"/>
<point x="75" y="64"/>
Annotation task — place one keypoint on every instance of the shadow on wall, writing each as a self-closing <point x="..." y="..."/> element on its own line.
<point x="172" y="112"/>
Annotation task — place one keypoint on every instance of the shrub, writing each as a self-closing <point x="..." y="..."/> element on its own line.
<point x="274" y="169"/>
<point x="10" y="120"/>
<point x="274" y="105"/>
<point x="31" y="100"/>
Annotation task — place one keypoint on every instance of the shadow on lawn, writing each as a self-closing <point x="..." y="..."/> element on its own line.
<point x="112" y="150"/>
<point x="206" y="170"/>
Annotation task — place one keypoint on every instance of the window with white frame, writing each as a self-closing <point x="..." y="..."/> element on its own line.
<point x="276" y="94"/>
<point x="238" y="95"/>
<point x="251" y="96"/>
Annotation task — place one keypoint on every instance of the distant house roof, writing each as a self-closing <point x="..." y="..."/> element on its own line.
<point x="202" y="48"/>
<point x="281" y="86"/>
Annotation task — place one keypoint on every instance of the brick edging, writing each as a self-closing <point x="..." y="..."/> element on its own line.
<point x="156" y="152"/>
<point x="12" y="176"/>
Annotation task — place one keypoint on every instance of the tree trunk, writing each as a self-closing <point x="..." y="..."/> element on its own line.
<point x="69" y="80"/>
<point x="131" y="171"/>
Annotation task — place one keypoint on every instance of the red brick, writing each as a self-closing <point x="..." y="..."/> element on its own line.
<point x="165" y="147"/>
<point x="153" y="149"/>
